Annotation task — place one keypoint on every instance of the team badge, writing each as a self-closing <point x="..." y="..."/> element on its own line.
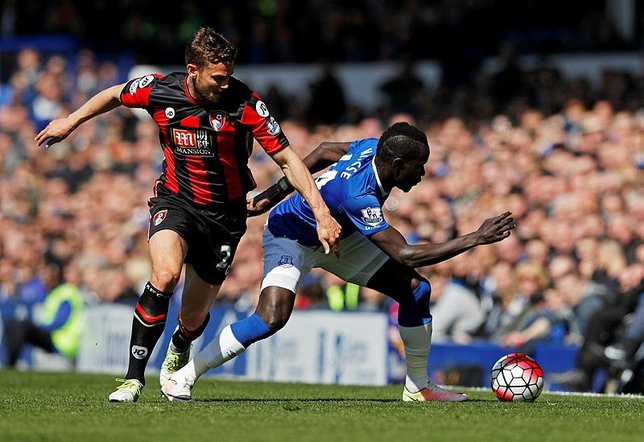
<point x="217" y="119"/>
<point x="159" y="217"/>
<point x="372" y="216"/>
<point x="169" y="112"/>
<point x="285" y="261"/>
<point x="273" y="126"/>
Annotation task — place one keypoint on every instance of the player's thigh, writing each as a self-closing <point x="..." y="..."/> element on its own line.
<point x="359" y="259"/>
<point x="395" y="280"/>
<point x="285" y="262"/>
<point x="167" y="252"/>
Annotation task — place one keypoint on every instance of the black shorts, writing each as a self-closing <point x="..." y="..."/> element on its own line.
<point x="212" y="234"/>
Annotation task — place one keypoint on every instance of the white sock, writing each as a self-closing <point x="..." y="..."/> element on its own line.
<point x="417" y="342"/>
<point x="223" y="348"/>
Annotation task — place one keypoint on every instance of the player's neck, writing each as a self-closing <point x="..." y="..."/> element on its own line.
<point x="192" y="90"/>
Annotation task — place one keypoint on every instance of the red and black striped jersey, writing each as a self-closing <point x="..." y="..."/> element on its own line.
<point x="206" y="145"/>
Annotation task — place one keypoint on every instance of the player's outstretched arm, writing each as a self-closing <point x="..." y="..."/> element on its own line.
<point x="300" y="178"/>
<point x="393" y="243"/>
<point x="319" y="159"/>
<point x="59" y="129"/>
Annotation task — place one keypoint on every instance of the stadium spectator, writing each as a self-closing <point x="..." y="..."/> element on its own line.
<point x="198" y="213"/>
<point x="59" y="329"/>
<point x="457" y="310"/>
<point x="375" y="254"/>
<point x="603" y="329"/>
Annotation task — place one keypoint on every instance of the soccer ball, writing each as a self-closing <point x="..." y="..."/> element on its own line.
<point x="517" y="377"/>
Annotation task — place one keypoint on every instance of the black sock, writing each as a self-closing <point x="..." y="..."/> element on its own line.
<point x="182" y="337"/>
<point x="147" y="326"/>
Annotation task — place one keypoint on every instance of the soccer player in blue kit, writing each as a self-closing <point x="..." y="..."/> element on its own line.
<point x="373" y="253"/>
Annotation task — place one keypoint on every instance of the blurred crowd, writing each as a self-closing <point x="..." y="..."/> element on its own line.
<point x="565" y="159"/>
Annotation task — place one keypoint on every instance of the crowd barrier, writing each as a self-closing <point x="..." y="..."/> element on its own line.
<point x="316" y="346"/>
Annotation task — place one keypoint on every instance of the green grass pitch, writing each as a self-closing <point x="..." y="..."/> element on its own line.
<point x="74" y="407"/>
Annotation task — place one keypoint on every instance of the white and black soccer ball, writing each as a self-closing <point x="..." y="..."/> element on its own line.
<point x="517" y="378"/>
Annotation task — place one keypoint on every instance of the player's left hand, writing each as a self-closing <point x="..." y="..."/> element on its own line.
<point x="266" y="200"/>
<point x="57" y="130"/>
<point x="257" y="206"/>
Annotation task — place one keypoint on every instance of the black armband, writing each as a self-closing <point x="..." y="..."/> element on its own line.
<point x="274" y="194"/>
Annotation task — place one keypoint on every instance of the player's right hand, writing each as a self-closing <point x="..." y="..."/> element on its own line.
<point x="57" y="130"/>
<point x="329" y="232"/>
<point x="495" y="229"/>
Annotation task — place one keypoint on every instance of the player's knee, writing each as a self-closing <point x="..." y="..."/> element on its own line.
<point x="415" y="310"/>
<point x="275" y="321"/>
<point x="165" y="278"/>
<point x="421" y="294"/>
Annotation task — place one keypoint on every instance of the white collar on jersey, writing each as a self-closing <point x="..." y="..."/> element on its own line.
<point x="375" y="172"/>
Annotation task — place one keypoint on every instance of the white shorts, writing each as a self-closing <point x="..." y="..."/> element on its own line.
<point x="286" y="261"/>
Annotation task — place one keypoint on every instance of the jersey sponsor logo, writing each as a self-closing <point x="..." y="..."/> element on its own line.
<point x="139" y="352"/>
<point x="159" y="217"/>
<point x="261" y="109"/>
<point x="169" y="112"/>
<point x="372" y="216"/>
<point x="273" y="126"/>
<point x="217" y="119"/>
<point x="285" y="261"/>
<point x="191" y="142"/>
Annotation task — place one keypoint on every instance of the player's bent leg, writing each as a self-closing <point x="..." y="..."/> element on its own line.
<point x="415" y="325"/>
<point x="276" y="305"/>
<point x="178" y="353"/>
<point x="198" y="296"/>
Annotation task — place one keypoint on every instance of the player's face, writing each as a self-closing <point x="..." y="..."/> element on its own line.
<point x="211" y="80"/>
<point x="411" y="172"/>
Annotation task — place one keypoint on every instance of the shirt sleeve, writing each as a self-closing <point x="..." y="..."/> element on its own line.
<point x="365" y="212"/>
<point x="136" y="92"/>
<point x="265" y="129"/>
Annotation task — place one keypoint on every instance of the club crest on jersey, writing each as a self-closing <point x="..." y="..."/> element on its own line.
<point x="372" y="216"/>
<point x="273" y="126"/>
<point x="159" y="217"/>
<point x="217" y="119"/>
<point x="285" y="261"/>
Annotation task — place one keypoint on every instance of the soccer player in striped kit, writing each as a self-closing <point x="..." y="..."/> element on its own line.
<point x="207" y="120"/>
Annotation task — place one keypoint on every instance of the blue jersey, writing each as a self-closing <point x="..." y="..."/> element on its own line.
<point x="351" y="189"/>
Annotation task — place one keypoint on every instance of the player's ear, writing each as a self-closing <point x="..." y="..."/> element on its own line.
<point x="398" y="164"/>
<point x="192" y="69"/>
